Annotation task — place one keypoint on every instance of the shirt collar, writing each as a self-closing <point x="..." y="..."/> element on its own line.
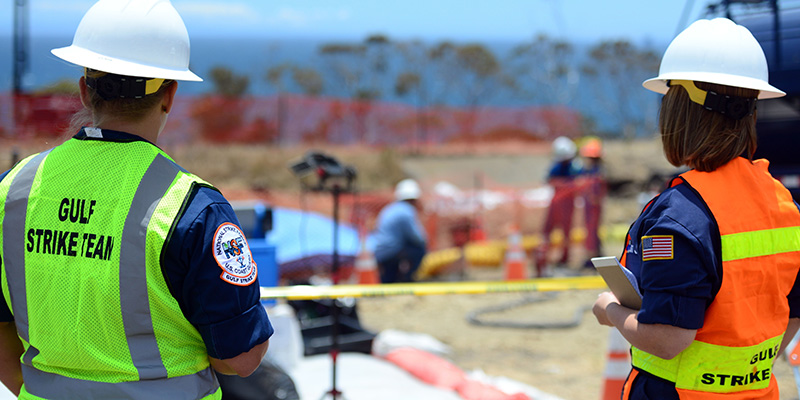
<point x="92" y="133"/>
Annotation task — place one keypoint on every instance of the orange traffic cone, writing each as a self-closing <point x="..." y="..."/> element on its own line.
<point x="366" y="266"/>
<point x="516" y="263"/>
<point x="618" y="365"/>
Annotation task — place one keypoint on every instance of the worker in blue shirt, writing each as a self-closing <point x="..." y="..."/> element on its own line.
<point x="399" y="239"/>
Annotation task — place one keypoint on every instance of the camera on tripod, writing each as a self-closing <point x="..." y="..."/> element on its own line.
<point x="321" y="172"/>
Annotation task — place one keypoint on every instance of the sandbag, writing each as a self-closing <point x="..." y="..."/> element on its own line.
<point x="475" y="390"/>
<point x="427" y="367"/>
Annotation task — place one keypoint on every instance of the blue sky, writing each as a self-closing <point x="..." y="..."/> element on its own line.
<point x="652" y="21"/>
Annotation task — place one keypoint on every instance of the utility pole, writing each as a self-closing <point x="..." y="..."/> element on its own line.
<point x="21" y="42"/>
<point x="19" y="58"/>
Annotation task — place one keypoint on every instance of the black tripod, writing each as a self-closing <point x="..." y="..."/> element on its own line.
<point x="334" y="393"/>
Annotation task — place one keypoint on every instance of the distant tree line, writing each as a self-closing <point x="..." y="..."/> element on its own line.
<point x="603" y="81"/>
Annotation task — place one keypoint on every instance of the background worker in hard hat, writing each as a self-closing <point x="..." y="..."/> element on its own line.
<point x="399" y="238"/>
<point x="127" y="276"/>
<point x="561" y="177"/>
<point x="592" y="190"/>
<point x="716" y="254"/>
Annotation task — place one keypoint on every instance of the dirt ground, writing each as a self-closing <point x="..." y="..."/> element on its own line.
<point x="565" y="362"/>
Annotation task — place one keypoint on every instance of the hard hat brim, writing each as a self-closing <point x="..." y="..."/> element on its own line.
<point x="89" y="59"/>
<point x="765" y="90"/>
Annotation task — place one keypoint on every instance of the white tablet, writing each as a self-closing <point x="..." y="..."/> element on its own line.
<point x="619" y="280"/>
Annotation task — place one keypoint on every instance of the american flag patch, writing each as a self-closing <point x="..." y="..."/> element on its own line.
<point x="657" y="248"/>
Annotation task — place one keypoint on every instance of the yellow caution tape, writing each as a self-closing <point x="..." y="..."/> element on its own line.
<point x="305" y="292"/>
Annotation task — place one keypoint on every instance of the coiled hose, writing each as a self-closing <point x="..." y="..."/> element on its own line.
<point x="474" y="317"/>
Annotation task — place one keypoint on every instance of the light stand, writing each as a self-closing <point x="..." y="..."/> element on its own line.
<point x="329" y="176"/>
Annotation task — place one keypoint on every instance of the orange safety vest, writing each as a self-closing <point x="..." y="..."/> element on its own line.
<point x="733" y="353"/>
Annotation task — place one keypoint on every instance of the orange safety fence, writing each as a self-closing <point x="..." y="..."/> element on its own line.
<point x="296" y="119"/>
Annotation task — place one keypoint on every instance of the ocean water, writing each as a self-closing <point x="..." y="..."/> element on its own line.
<point x="244" y="57"/>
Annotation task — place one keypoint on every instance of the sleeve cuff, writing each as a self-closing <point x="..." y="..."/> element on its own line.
<point x="237" y="335"/>
<point x="668" y="309"/>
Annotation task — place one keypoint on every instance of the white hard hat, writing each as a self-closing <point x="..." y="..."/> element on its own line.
<point x="563" y="148"/>
<point x="141" y="38"/>
<point x="407" y="189"/>
<point x="715" y="51"/>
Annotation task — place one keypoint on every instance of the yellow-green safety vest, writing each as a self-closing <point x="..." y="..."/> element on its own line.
<point x="83" y="228"/>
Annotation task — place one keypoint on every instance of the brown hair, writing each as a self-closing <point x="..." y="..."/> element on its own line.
<point x="704" y="139"/>
<point x="130" y="109"/>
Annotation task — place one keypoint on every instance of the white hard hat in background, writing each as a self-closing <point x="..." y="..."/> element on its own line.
<point x="141" y="38"/>
<point x="407" y="189"/>
<point x="715" y="51"/>
<point x="563" y="148"/>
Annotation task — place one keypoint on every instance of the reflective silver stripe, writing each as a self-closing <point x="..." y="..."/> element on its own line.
<point x="55" y="387"/>
<point x="16" y="210"/>
<point x="134" y="302"/>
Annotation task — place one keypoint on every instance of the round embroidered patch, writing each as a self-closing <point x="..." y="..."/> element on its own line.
<point x="233" y="255"/>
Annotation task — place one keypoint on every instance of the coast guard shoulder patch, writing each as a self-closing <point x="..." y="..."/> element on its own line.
<point x="233" y="255"/>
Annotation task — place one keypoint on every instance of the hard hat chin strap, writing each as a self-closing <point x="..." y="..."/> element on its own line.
<point x="113" y="86"/>
<point x="731" y="106"/>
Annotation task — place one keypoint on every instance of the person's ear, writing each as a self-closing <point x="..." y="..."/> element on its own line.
<point x="84" y="93"/>
<point x="169" y="97"/>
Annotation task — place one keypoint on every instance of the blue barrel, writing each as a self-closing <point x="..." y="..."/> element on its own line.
<point x="264" y="256"/>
